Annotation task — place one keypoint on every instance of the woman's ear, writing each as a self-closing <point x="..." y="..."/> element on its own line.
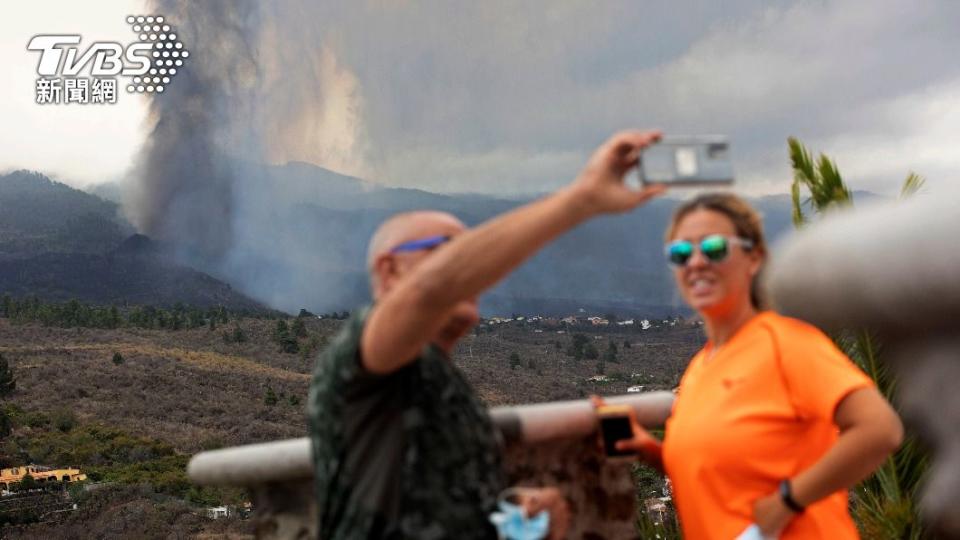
<point x="756" y="261"/>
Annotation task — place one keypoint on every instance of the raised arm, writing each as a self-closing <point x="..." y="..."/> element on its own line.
<point x="406" y="317"/>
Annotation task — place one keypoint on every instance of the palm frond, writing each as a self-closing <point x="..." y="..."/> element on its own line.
<point x="913" y="183"/>
<point x="803" y="169"/>
<point x="831" y="189"/>
<point x="798" y="218"/>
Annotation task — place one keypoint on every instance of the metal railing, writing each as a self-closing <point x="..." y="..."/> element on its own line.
<point x="546" y="444"/>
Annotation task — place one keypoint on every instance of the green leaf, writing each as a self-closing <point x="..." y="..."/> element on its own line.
<point x="913" y="183"/>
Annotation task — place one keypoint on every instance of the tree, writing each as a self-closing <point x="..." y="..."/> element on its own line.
<point x="884" y="504"/>
<point x="531" y="363"/>
<point x="238" y="335"/>
<point x="590" y="352"/>
<point x="577" y="343"/>
<point x="117" y="358"/>
<point x="610" y="355"/>
<point x="270" y="398"/>
<point x="281" y="329"/>
<point x="63" y="419"/>
<point x="7" y="306"/>
<point x="289" y="345"/>
<point x="28" y="483"/>
<point x="627" y="344"/>
<point x="298" y="328"/>
<point x="6" y="425"/>
<point x="515" y="361"/>
<point x="286" y="340"/>
<point x="8" y="383"/>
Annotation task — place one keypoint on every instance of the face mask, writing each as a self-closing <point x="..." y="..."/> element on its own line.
<point x="512" y="523"/>
<point x="753" y="533"/>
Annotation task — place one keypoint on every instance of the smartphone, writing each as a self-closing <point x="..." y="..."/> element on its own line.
<point x="615" y="426"/>
<point x="701" y="160"/>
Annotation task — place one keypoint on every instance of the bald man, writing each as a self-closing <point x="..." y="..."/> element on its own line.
<point x="403" y="446"/>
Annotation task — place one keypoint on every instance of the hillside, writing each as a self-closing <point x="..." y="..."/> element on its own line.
<point x="193" y="389"/>
<point x="129" y="406"/>
<point x="40" y="215"/>
<point x="119" y="279"/>
<point x="58" y="243"/>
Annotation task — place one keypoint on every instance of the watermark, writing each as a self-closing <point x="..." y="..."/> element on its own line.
<point x="147" y="65"/>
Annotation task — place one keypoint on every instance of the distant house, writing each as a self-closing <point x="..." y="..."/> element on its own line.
<point x="598" y="378"/>
<point x="219" y="512"/>
<point x="628" y="322"/>
<point x="41" y="474"/>
<point x="645" y="324"/>
<point x="598" y="321"/>
<point x="634" y="389"/>
<point x="569" y="320"/>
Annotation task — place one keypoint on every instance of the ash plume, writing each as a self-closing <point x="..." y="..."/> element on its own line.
<point x="260" y="87"/>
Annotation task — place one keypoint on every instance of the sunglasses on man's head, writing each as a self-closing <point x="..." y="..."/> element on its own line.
<point x="715" y="248"/>
<point x="420" y="244"/>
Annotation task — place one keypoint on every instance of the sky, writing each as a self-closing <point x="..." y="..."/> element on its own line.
<point x="509" y="98"/>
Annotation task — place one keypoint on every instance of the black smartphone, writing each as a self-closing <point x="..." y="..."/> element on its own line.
<point x="615" y="426"/>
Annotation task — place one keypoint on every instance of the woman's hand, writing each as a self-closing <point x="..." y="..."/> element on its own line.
<point x="772" y="515"/>
<point x="646" y="446"/>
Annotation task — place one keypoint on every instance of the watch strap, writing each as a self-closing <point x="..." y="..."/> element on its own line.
<point x="786" y="494"/>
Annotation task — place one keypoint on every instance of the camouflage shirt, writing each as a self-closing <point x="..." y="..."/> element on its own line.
<point x="411" y="454"/>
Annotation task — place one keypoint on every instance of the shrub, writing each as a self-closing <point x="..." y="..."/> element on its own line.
<point x="7" y="381"/>
<point x="64" y="419"/>
<point x="6" y="425"/>
<point x="237" y="335"/>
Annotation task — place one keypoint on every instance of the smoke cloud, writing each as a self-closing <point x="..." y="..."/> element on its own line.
<point x="260" y="87"/>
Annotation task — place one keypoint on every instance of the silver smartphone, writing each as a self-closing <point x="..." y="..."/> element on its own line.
<point x="687" y="161"/>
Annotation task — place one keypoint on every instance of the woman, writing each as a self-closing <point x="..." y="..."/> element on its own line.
<point x="772" y="423"/>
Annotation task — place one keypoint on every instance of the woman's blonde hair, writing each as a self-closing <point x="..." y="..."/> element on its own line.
<point x="746" y="221"/>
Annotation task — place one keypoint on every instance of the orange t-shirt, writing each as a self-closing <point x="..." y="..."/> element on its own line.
<point x="759" y="411"/>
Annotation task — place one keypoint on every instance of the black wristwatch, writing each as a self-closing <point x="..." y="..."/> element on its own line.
<point x="786" y="495"/>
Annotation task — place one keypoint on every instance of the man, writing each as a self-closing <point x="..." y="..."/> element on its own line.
<point x="403" y="446"/>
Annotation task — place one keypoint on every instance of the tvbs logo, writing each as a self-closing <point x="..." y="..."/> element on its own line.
<point x="149" y="63"/>
<point x="108" y="58"/>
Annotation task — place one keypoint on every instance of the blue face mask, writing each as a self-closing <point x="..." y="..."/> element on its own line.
<point x="512" y="523"/>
